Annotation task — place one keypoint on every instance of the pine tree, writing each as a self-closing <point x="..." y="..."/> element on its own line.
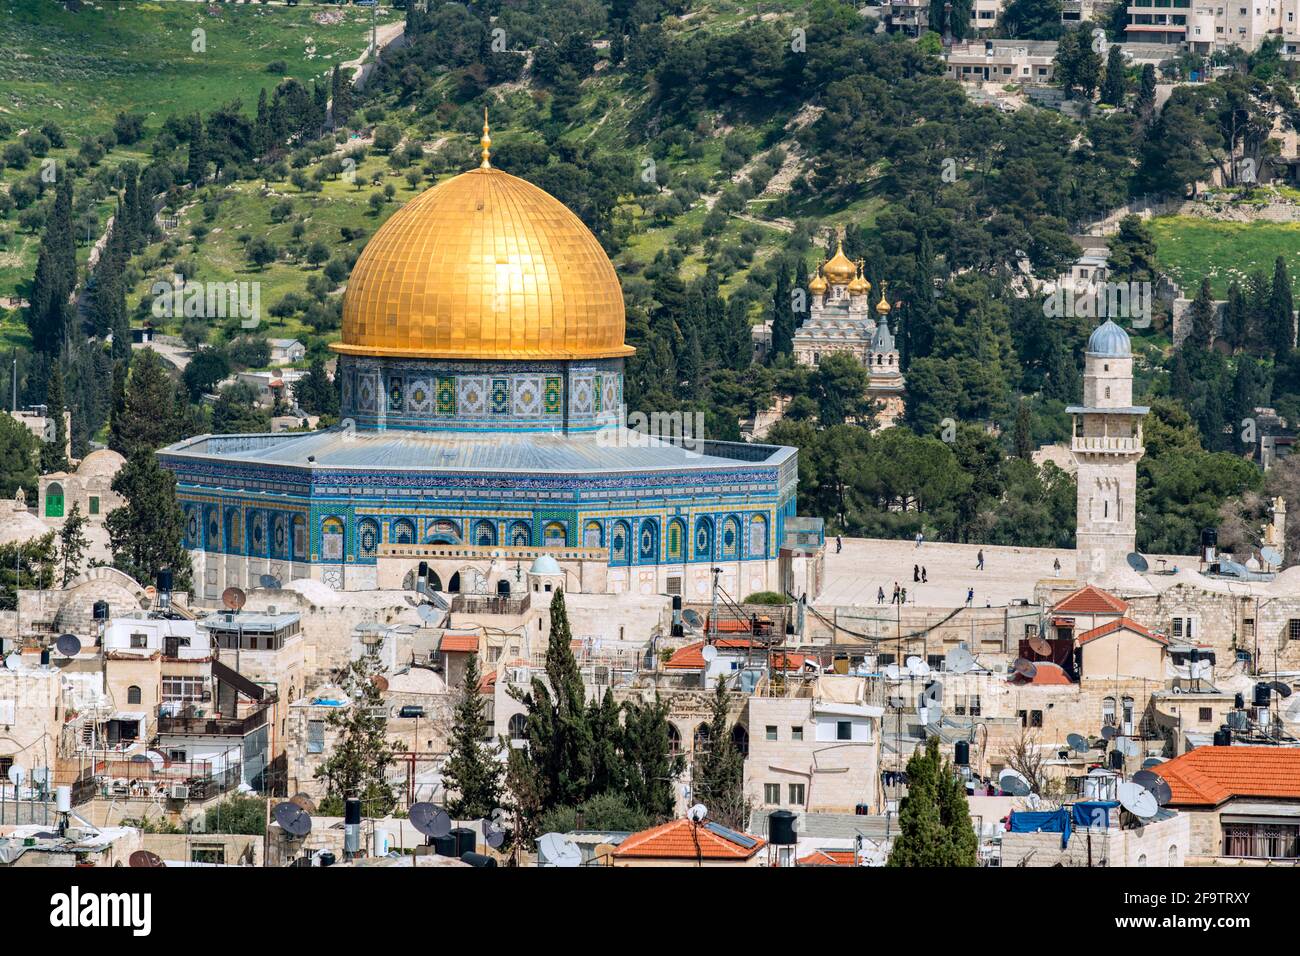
<point x="196" y="169"/>
<point x="1146" y="97"/>
<point x="1281" y="310"/>
<point x="603" y="717"/>
<point x="149" y="413"/>
<point x="1202" y="315"/>
<point x="73" y="542"/>
<point x="359" y="760"/>
<point x="954" y="814"/>
<point x="1116" y="83"/>
<point x="146" y="534"/>
<point x="717" y="779"/>
<point x="54" y="452"/>
<point x="647" y="754"/>
<point x="783" y="319"/>
<point x="922" y="839"/>
<point x="472" y="769"/>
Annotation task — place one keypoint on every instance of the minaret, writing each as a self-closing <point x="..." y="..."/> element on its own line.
<point x="1107" y="443"/>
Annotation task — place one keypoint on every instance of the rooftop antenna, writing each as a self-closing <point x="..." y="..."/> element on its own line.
<point x="1138" y="801"/>
<point x="293" y="819"/>
<point x="69" y="645"/>
<point x="960" y="660"/>
<point x="1137" y="562"/>
<point x="430" y="820"/>
<point x="144" y="859"/>
<point x="1078" y="743"/>
<point x="1024" y="668"/>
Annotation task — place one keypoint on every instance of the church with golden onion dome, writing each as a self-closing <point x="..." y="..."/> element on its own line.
<point x="483" y="433"/>
<point x="840" y="320"/>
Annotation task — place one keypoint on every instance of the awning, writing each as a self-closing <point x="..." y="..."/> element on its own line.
<point x="228" y="675"/>
<point x="130" y="716"/>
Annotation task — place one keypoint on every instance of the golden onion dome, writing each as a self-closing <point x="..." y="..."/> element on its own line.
<point x="484" y="266"/>
<point x="883" y="305"/>
<point x="859" y="285"/>
<point x="817" y="285"/>
<point x="840" y="270"/>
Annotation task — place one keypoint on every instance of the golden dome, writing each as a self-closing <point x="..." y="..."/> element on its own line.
<point x="859" y="285"/>
<point x="883" y="305"/>
<point x="484" y="266"/>
<point x="840" y="270"/>
<point x="817" y="285"/>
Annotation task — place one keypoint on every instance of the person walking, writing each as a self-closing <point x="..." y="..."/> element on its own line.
<point x="924" y="578"/>
<point x="916" y="573"/>
<point x="1056" y="568"/>
<point x="839" y="544"/>
<point x="894" y="599"/>
<point x="919" y="537"/>
<point x="970" y="596"/>
<point x="979" y="560"/>
<point x="880" y="595"/>
<point x="902" y="596"/>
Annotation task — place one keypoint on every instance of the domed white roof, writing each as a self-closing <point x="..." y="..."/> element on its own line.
<point x="1108" y="339"/>
<point x="105" y="461"/>
<point x="545" y="564"/>
<point x="20" y="525"/>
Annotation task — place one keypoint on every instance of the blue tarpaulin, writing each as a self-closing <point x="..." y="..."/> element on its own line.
<point x="1093" y="813"/>
<point x="1086" y="814"/>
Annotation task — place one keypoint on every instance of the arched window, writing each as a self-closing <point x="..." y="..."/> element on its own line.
<point x="758" y="536"/>
<point x="1142" y="860"/>
<point x="703" y="539"/>
<point x="554" y="535"/>
<point x="503" y="588"/>
<point x="214" y="532"/>
<point x="676" y="539"/>
<point x="299" y="538"/>
<point x="521" y="535"/>
<point x="1108" y="711"/>
<point x="133" y="694"/>
<point x="485" y="534"/>
<point x="403" y="531"/>
<point x="443" y="531"/>
<point x="592" y="535"/>
<point x="1127" y="703"/>
<point x="368" y="533"/>
<point x="620" y="547"/>
<point x="731" y="538"/>
<point x="1173" y="855"/>
<point x="54" y="500"/>
<point x="234" y="531"/>
<point x="740" y="737"/>
<point x="518" y="727"/>
<point x="648" y="542"/>
<point x="674" y="739"/>
<point x="332" y="539"/>
<point x="702" y="738"/>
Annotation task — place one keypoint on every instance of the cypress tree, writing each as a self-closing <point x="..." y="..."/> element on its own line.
<point x="56" y="275"/>
<point x="472" y="769"/>
<point x="196" y="169"/>
<point x="607" y="774"/>
<point x="146" y="533"/>
<point x="1281" y="310"/>
<point x="54" y="453"/>
<point x="262" y="126"/>
<point x="1201" y="315"/>
<point x="717" y="779"/>
<point x="148" y="414"/>
<point x="737" y="341"/>
<point x="922" y="839"/>
<point x="1115" y="84"/>
<point x="954" y="813"/>
<point x="649" y="763"/>
<point x="783" y="320"/>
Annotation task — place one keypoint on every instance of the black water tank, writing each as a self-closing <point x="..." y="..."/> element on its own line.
<point x="100" y="610"/>
<point x="424" y="569"/>
<point x="1262" y="692"/>
<point x="445" y="845"/>
<point x="326" y="858"/>
<point x="677" y="602"/>
<point x="1116" y="760"/>
<point x="1239" y="702"/>
<point x="45" y="657"/>
<point x="477" y="859"/>
<point x="1210" y="538"/>
<point x="862" y="810"/>
<point x="411" y="710"/>
<point x="961" y="753"/>
<point x="164" y="580"/>
<point x="1223" y="737"/>
<point x="780" y="828"/>
<point x="351" y="810"/>
<point x="466" y="841"/>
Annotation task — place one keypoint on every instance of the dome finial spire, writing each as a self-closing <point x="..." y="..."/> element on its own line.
<point x="486" y="143"/>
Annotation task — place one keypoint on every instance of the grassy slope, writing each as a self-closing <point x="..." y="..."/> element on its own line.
<point x="1191" y="248"/>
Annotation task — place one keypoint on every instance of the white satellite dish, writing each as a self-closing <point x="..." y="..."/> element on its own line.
<point x="709" y="653"/>
<point x="1014" y="783"/>
<point x="1138" y="800"/>
<point x="16" y="775"/>
<point x="14" y="661"/>
<point x="1033" y="801"/>
<point x="697" y="813"/>
<point x="917" y="667"/>
<point x="959" y="660"/>
<point x="558" y="851"/>
<point x="892" y="672"/>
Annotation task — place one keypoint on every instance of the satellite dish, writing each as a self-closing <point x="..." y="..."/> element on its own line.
<point x="69" y="645"/>
<point x="709" y="653"/>
<point x="896" y="703"/>
<point x="430" y="820"/>
<point x="268" y="581"/>
<point x="892" y="672"/>
<point x="41" y="777"/>
<point x="1138" y="801"/>
<point x="559" y="851"/>
<point x="1271" y="555"/>
<point x="1040" y="645"/>
<point x="1009" y="781"/>
<point x="1108" y="732"/>
<point x="1128" y="746"/>
<point x="1034" y="801"/>
<point x="428" y="613"/>
<point x="697" y="813"/>
<point x="917" y="667"/>
<point x="1154" y="784"/>
<point x="1024" y="668"/>
<point x="14" y="661"/>
<point x="380" y="682"/>
<point x="1281" y="689"/>
<point x="17" y="775"/>
<point x="959" y="660"/>
<point x="234" y="598"/>
<point x="1137" y="562"/>
<point x="494" y="836"/>
<point x="303" y="801"/>
<point x="692" y="618"/>
<point x="1152" y="762"/>
<point x="1078" y="743"/>
<point x="142" y="859"/>
<point x="293" y="819"/>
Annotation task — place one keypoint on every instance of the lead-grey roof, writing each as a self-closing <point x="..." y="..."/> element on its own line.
<point x="1109" y="340"/>
<point x="532" y="453"/>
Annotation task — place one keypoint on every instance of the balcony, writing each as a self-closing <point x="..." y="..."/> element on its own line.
<point x="1107" y="444"/>
<point x="491" y="604"/>
<point x="192" y="722"/>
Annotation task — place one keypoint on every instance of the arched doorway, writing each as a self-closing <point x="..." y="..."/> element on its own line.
<point x="740" y="737"/>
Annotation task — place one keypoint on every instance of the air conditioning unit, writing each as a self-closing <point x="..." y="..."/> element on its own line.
<point x="179" y="791"/>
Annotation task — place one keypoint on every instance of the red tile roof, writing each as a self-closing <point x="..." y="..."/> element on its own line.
<point x="684" y="840"/>
<point x="1123" y="623"/>
<point x="463" y="643"/>
<point x="691" y="656"/>
<point x="829" y="858"/>
<point x="1091" y="600"/>
<point x="488" y="684"/>
<point x="1207" y="776"/>
<point x="1046" y="673"/>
